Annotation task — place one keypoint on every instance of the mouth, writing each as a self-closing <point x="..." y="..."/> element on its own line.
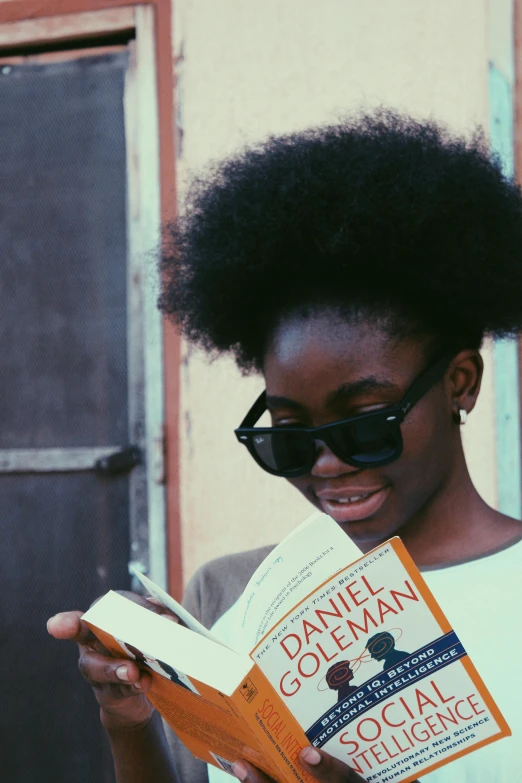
<point x="353" y="507"/>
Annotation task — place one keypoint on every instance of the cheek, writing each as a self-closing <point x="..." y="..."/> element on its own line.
<point x="429" y="437"/>
<point x="303" y="485"/>
<point x="428" y="441"/>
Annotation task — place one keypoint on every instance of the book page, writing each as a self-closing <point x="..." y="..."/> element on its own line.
<point x="160" y="640"/>
<point x="315" y="550"/>
<point x="176" y="608"/>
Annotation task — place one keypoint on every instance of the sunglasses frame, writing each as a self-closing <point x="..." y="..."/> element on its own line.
<point x="393" y="417"/>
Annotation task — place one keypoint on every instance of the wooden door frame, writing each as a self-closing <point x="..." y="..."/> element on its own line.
<point x="23" y="10"/>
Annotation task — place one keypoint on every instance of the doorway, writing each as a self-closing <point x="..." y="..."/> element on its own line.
<point x="81" y="442"/>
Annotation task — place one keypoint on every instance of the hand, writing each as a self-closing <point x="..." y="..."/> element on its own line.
<point x="321" y="765"/>
<point x="120" y="686"/>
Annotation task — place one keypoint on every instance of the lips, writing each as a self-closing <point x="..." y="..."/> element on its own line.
<point x="353" y="504"/>
<point x="347" y="493"/>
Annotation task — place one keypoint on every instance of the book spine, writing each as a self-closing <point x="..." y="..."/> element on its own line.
<point x="274" y="726"/>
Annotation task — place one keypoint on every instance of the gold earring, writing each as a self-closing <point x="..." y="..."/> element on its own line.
<point x="463" y="415"/>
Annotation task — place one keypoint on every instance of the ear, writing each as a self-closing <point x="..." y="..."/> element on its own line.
<point x="465" y="377"/>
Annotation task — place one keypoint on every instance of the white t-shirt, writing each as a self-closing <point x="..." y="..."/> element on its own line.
<point x="483" y="602"/>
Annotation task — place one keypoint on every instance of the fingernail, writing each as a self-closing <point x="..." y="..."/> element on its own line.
<point x="240" y="771"/>
<point x="50" y="621"/>
<point x="311" y="756"/>
<point x="170" y="617"/>
<point x="137" y="685"/>
<point x="122" y="673"/>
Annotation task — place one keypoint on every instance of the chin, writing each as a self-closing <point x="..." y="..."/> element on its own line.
<point x="369" y="533"/>
<point x="366" y="533"/>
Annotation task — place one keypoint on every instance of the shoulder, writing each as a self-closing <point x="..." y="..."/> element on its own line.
<point x="218" y="584"/>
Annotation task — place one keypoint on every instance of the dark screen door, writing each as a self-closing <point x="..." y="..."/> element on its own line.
<point x="63" y="399"/>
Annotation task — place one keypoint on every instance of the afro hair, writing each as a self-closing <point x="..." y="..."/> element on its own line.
<point x="381" y="213"/>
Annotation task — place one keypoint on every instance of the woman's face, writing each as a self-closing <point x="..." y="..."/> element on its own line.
<point x="320" y="369"/>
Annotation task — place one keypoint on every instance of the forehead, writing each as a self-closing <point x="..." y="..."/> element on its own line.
<point x="324" y="350"/>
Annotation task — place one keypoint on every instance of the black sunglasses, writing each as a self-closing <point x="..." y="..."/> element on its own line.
<point x="366" y="441"/>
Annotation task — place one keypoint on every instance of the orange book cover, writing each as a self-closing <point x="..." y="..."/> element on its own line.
<point x="350" y="654"/>
<point x="218" y="715"/>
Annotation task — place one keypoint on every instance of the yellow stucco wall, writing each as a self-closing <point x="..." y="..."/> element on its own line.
<point x="249" y="69"/>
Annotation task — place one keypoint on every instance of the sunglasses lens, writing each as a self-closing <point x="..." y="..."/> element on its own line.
<point x="368" y="441"/>
<point x="285" y="452"/>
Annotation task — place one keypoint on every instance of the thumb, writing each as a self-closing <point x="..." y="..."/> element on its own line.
<point x="327" y="769"/>
<point x="69" y="625"/>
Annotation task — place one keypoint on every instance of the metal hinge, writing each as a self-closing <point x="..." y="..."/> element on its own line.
<point x="120" y="461"/>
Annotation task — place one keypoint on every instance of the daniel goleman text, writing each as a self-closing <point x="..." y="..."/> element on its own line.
<point x="311" y="644"/>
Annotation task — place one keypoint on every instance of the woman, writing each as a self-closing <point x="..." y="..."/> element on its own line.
<point x="359" y="268"/>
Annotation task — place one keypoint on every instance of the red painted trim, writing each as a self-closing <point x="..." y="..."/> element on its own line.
<point x="171" y="338"/>
<point x="18" y="10"/>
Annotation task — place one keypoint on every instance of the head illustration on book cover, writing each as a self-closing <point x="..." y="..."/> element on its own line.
<point x="158" y="666"/>
<point x="379" y="647"/>
<point x="339" y="678"/>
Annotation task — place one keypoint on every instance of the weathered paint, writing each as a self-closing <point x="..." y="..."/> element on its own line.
<point x="506" y="364"/>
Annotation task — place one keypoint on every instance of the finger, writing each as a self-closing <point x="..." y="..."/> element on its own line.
<point x="246" y="772"/>
<point x="147" y="603"/>
<point x="69" y="625"/>
<point x="163" y="611"/>
<point x="100" y="669"/>
<point x="326" y="769"/>
<point x="111" y="694"/>
<point x="154" y="601"/>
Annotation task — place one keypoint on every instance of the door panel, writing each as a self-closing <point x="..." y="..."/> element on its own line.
<point x="64" y="385"/>
<point x="65" y="540"/>
<point x="63" y="254"/>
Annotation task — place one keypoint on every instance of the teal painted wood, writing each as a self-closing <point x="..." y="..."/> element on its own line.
<point x="505" y="352"/>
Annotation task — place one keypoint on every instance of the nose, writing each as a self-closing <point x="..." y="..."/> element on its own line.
<point x="327" y="464"/>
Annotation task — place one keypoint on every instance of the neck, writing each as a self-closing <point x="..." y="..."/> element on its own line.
<point x="456" y="524"/>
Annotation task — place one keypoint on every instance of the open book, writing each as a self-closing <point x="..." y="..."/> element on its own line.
<point x="346" y="652"/>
